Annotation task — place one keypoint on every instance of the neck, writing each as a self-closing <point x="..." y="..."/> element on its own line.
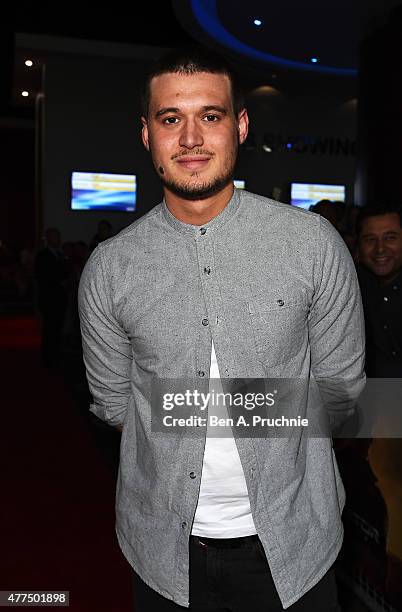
<point x="387" y="280"/>
<point x="198" y="212"/>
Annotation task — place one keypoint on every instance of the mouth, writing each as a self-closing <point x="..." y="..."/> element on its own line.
<point x="381" y="261"/>
<point x="195" y="162"/>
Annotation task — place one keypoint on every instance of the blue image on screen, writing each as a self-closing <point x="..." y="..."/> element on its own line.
<point x="96" y="199"/>
<point x="303" y="203"/>
<point x="306" y="195"/>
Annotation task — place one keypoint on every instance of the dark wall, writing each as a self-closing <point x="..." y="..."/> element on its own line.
<point x="301" y="136"/>
<point x="380" y="114"/>
<point x="92" y="123"/>
<point x="17" y="214"/>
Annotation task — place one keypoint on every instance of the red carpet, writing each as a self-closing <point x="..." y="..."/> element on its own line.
<point x="57" y="524"/>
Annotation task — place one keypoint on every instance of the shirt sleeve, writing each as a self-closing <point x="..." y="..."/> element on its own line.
<point x="336" y="329"/>
<point x="107" y="350"/>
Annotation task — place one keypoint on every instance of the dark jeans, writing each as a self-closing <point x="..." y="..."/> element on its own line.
<point x="234" y="576"/>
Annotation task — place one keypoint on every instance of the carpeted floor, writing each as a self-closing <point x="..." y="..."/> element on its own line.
<point x="57" y="523"/>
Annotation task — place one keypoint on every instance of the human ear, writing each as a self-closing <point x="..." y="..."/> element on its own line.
<point x="242" y="121"/>
<point x="144" y="133"/>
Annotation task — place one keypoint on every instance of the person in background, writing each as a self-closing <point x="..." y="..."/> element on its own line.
<point x="52" y="273"/>
<point x="348" y="230"/>
<point x="79" y="258"/>
<point x="371" y="468"/>
<point x="379" y="235"/>
<point x="328" y="210"/>
<point x="104" y="232"/>
<point x="68" y="249"/>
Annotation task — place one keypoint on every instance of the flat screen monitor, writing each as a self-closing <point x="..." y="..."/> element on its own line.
<point x="240" y="184"/>
<point x="305" y="195"/>
<point x="103" y="191"/>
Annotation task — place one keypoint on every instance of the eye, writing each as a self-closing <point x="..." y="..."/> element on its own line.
<point x="170" y="120"/>
<point x="211" y="118"/>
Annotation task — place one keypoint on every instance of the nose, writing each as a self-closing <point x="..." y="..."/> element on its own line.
<point x="380" y="247"/>
<point x="191" y="135"/>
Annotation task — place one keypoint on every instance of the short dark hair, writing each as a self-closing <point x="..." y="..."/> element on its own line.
<point x="376" y="211"/>
<point x="193" y="60"/>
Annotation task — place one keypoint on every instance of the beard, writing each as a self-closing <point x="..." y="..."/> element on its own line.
<point x="201" y="190"/>
<point x="198" y="191"/>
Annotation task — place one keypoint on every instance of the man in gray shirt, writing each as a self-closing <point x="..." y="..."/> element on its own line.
<point x="218" y="283"/>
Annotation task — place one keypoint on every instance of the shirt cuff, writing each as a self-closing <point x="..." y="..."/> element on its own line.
<point x="111" y="414"/>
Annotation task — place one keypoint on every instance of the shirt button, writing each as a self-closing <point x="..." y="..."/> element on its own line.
<point x="201" y="373"/>
<point x="203" y="231"/>
<point x="205" y="322"/>
<point x="192" y="475"/>
<point x="207" y="270"/>
<point x="280" y="302"/>
<point x="183" y="525"/>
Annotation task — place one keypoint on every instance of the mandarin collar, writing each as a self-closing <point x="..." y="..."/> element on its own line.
<point x="212" y="225"/>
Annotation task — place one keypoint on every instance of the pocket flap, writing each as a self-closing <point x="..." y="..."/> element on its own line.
<point x="280" y="300"/>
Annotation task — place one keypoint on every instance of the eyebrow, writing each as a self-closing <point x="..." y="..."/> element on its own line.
<point x="216" y="107"/>
<point x="164" y="111"/>
<point x="386" y="233"/>
<point x="205" y="109"/>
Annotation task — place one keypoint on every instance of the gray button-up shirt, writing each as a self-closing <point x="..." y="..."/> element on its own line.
<point x="275" y="288"/>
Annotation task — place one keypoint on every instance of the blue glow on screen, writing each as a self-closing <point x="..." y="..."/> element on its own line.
<point x="239" y="183"/>
<point x="305" y="195"/>
<point x="103" y="191"/>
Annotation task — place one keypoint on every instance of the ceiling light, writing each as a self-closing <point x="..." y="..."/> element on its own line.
<point x="265" y="91"/>
<point x="257" y="22"/>
<point x="266" y="148"/>
<point x="314" y="60"/>
<point x="25" y="93"/>
<point x="28" y="63"/>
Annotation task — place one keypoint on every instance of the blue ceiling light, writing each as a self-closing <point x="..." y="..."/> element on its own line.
<point x="257" y="22"/>
<point x="205" y="13"/>
<point x="314" y="60"/>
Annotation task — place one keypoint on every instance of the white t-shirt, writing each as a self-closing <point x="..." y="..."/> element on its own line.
<point x="223" y="509"/>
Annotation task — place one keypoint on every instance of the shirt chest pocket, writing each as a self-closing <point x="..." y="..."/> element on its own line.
<point x="279" y="325"/>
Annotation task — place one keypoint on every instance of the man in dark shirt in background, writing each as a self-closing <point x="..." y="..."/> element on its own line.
<point x="379" y="234"/>
<point x="365" y="462"/>
<point x="371" y="468"/>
